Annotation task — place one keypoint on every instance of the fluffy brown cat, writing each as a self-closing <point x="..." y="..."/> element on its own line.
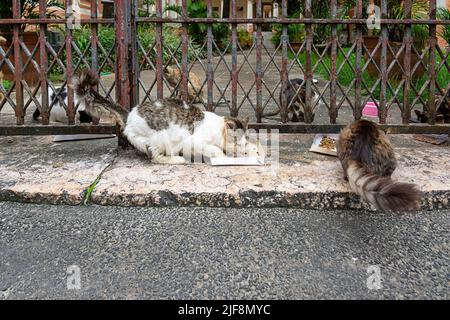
<point x="368" y="160"/>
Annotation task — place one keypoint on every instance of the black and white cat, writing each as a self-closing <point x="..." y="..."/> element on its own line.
<point x="165" y="129"/>
<point x="58" y="112"/>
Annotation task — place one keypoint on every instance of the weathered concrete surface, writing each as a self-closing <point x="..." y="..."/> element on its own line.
<point x="302" y="179"/>
<point x="34" y="169"/>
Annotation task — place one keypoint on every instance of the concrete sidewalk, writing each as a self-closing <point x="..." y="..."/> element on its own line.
<point x="34" y="169"/>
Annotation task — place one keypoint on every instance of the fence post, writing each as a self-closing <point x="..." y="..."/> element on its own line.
<point x="18" y="63"/>
<point x="431" y="108"/>
<point x="126" y="69"/>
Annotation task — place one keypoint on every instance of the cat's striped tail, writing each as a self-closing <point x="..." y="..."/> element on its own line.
<point x="95" y="104"/>
<point x="382" y="192"/>
<point x="83" y="83"/>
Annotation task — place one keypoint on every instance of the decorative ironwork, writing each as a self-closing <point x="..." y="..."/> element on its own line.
<point x="237" y="80"/>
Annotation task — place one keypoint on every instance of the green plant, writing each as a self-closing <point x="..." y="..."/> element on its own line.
<point x="296" y="32"/>
<point x="90" y="190"/>
<point x="419" y="32"/>
<point x="444" y="32"/>
<point x="346" y="75"/>
<point x="146" y="12"/>
<point x="198" y="31"/>
<point x="6" y="85"/>
<point x="28" y="8"/>
<point x="320" y="10"/>
<point x="147" y="38"/>
<point x="107" y="37"/>
<point x="245" y="38"/>
<point x="396" y="32"/>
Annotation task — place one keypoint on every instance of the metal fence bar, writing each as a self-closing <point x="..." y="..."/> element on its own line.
<point x="13" y="130"/>
<point x="69" y="67"/>
<point x="121" y="59"/>
<point x="284" y="65"/>
<point x="336" y="128"/>
<point x="126" y="22"/>
<point x="210" y="67"/>
<point x="94" y="36"/>
<point x="159" y="52"/>
<point x="259" y="71"/>
<point x="134" y="71"/>
<point x="308" y="64"/>
<point x="333" y="76"/>
<point x="60" y="129"/>
<point x="383" y="65"/>
<point x="19" y="110"/>
<point x="234" y="69"/>
<point x="184" y="53"/>
<point x="432" y="65"/>
<point x="408" y="41"/>
<point x="45" y="112"/>
<point x="266" y="21"/>
<point x="357" y="111"/>
<point x="126" y="65"/>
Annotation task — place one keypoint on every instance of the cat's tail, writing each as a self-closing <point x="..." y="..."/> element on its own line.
<point x="382" y="192"/>
<point x="83" y="85"/>
<point x="84" y="82"/>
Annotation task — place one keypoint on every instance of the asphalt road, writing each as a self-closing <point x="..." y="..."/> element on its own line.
<point x="126" y="253"/>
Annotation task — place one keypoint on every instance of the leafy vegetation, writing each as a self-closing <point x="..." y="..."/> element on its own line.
<point x="28" y="9"/>
<point x="245" y="38"/>
<point x="296" y="32"/>
<point x="198" y="31"/>
<point x="107" y="37"/>
<point x="346" y="74"/>
<point x="444" y="31"/>
<point x="90" y="190"/>
<point x="171" y="44"/>
<point x="396" y="32"/>
<point x="320" y="10"/>
<point x="6" y="85"/>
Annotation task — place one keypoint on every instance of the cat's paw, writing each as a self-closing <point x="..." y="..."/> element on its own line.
<point x="216" y="154"/>
<point x="177" y="160"/>
<point x="213" y="152"/>
<point x="151" y="152"/>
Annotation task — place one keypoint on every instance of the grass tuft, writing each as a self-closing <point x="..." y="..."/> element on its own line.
<point x="90" y="190"/>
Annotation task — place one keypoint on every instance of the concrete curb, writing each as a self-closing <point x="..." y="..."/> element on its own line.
<point x="435" y="200"/>
<point x="36" y="170"/>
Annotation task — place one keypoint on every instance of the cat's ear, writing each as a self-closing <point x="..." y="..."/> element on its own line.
<point x="236" y="124"/>
<point x="230" y="123"/>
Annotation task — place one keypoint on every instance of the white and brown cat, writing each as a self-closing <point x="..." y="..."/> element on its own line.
<point x="165" y="129"/>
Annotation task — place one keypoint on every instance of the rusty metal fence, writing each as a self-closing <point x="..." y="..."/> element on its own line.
<point x="232" y="79"/>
